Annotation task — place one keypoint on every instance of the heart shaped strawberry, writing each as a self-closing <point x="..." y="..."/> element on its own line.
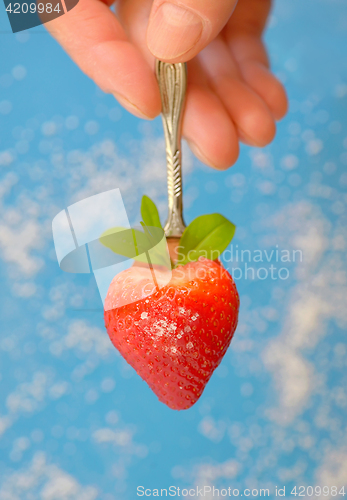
<point x="176" y="336"/>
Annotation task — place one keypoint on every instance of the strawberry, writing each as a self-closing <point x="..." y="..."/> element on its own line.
<point x="176" y="337"/>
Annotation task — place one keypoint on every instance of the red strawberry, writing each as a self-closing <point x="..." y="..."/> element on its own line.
<point x="176" y="337"/>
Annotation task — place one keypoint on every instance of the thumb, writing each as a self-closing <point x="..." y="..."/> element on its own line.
<point x="178" y="30"/>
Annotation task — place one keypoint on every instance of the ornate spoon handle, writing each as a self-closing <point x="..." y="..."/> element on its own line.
<point x="172" y="80"/>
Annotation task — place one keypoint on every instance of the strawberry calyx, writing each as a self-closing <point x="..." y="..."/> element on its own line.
<point x="206" y="236"/>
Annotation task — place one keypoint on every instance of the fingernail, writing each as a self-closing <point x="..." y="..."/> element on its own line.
<point x="173" y="31"/>
<point x="198" y="153"/>
<point x="129" y="106"/>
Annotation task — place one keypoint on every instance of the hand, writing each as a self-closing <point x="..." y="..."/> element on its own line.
<point x="232" y="95"/>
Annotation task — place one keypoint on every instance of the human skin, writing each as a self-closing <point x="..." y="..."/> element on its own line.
<point x="232" y="95"/>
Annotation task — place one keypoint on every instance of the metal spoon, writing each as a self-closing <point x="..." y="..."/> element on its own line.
<point x="172" y="79"/>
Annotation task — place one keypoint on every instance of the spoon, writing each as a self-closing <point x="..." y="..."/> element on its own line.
<point x="172" y="79"/>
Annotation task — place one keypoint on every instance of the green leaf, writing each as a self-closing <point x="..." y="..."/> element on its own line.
<point x="127" y="242"/>
<point x="149" y="212"/>
<point x="206" y="236"/>
<point x="134" y="244"/>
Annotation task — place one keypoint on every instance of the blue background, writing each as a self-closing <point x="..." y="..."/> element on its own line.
<point x="76" y="422"/>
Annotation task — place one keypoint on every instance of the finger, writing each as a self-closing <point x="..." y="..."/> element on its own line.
<point x="95" y="40"/>
<point x="249" y="16"/>
<point x="266" y="85"/>
<point x="250" y="114"/>
<point x="207" y="126"/>
<point x="180" y="29"/>
<point x="133" y="16"/>
<point x="249" y="53"/>
<point x="243" y="34"/>
<point x="252" y="117"/>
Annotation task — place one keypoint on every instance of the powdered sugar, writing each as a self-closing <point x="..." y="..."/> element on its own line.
<point x="160" y="327"/>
